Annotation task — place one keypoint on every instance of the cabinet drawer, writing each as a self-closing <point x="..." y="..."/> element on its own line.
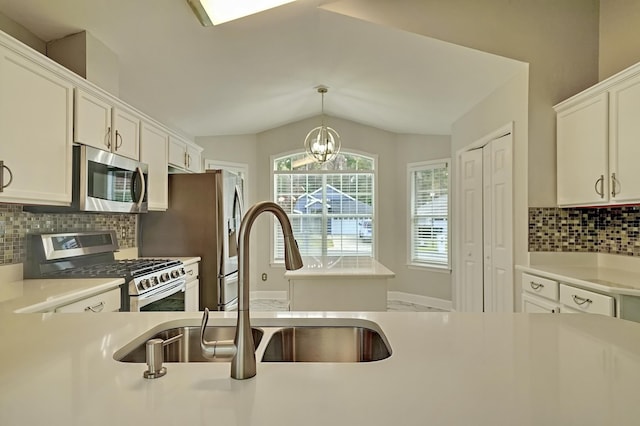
<point x="586" y="301"/>
<point x="103" y="302"/>
<point x="543" y="287"/>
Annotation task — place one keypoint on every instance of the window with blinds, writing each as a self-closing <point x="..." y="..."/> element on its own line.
<point x="429" y="211"/>
<point x="330" y="205"/>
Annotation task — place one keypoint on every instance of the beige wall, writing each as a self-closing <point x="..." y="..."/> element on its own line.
<point x="508" y="104"/>
<point x="234" y="149"/>
<point x="424" y="282"/>
<point x="619" y="36"/>
<point x="559" y="39"/>
<point x="19" y="32"/>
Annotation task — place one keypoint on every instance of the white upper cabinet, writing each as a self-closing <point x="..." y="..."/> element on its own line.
<point x="583" y="152"/>
<point x="36" y="110"/>
<point x="154" y="152"/>
<point x="598" y="143"/>
<point x="98" y="123"/>
<point x="185" y="155"/>
<point x="624" y="136"/>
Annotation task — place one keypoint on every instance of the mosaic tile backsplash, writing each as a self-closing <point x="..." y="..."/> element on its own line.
<point x="16" y="224"/>
<point x="613" y="230"/>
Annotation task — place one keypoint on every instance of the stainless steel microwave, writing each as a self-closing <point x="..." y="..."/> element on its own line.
<point x="104" y="182"/>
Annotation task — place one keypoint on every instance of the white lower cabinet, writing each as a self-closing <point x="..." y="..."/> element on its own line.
<point x="192" y="292"/>
<point x="108" y="301"/>
<point x="541" y="294"/>
<point x="538" y="305"/>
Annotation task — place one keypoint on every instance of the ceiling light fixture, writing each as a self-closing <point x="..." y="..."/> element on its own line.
<point x="322" y="143"/>
<point x="214" y="12"/>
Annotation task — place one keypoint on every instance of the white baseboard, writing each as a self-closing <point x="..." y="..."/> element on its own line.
<point x="278" y="295"/>
<point x="420" y="300"/>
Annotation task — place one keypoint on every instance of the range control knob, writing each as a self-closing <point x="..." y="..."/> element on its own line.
<point x="164" y="277"/>
<point x="144" y="283"/>
<point x="153" y="281"/>
<point x="175" y="273"/>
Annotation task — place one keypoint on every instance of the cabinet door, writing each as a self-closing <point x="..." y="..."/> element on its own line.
<point x="535" y="305"/>
<point x="92" y="121"/>
<point x="191" y="298"/>
<point x="36" y="110"/>
<point x="154" y="152"/>
<point x="582" y="147"/>
<point x="194" y="159"/>
<point x="177" y="152"/>
<point x="126" y="134"/>
<point x="624" y="141"/>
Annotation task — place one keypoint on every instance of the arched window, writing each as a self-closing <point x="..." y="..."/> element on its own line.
<point x="331" y="205"/>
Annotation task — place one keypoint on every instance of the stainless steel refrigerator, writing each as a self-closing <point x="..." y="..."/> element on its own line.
<point x="203" y="219"/>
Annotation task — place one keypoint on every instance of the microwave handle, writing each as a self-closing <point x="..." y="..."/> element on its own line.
<point x="144" y="187"/>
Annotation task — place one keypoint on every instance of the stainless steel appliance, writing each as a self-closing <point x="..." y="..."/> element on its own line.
<point x="150" y="284"/>
<point x="203" y="218"/>
<point x="104" y="182"/>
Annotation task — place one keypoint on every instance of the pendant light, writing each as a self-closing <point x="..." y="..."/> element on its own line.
<point x="322" y="143"/>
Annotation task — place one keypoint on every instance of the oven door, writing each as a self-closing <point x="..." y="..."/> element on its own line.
<point x="168" y="298"/>
<point x="110" y="182"/>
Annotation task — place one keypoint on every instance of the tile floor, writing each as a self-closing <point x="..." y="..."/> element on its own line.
<point x="392" y="305"/>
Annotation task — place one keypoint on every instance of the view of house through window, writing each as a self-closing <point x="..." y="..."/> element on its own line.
<point x="429" y="235"/>
<point x="330" y="205"/>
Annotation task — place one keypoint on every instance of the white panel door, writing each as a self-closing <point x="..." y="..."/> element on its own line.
<point x="471" y="297"/>
<point x="154" y="152"/>
<point x="35" y="132"/>
<point x="582" y="151"/>
<point x="624" y="142"/>
<point x="126" y="134"/>
<point x="498" y="226"/>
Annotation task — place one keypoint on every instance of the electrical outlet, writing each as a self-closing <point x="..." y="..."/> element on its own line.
<point x="264" y="276"/>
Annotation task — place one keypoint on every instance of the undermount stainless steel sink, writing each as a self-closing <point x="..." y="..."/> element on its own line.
<point x="326" y="344"/>
<point x="186" y="348"/>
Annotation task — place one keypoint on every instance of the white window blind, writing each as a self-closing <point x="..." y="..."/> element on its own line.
<point x="331" y="208"/>
<point x="429" y="210"/>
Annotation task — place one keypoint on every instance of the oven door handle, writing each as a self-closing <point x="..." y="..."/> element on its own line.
<point x="144" y="300"/>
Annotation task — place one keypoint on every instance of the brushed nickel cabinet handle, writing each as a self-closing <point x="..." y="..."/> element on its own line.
<point x="108" y="138"/>
<point x="601" y="181"/>
<point x="534" y="285"/>
<point x="580" y="300"/>
<point x="95" y="308"/>
<point x="2" y="169"/>
<point x="118" y="136"/>
<point x="613" y="184"/>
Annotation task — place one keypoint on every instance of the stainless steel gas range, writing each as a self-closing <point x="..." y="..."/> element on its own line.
<point x="150" y="284"/>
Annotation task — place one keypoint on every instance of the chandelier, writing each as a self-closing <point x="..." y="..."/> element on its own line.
<point x="322" y="143"/>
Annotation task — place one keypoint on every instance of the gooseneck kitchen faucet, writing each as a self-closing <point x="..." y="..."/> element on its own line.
<point x="242" y="349"/>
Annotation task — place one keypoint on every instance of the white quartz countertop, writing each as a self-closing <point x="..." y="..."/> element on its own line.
<point x="354" y="266"/>
<point x="41" y="295"/>
<point x="610" y="280"/>
<point x="445" y="369"/>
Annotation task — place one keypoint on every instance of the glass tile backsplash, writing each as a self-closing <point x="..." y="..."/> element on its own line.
<point x="614" y="230"/>
<point x="15" y="224"/>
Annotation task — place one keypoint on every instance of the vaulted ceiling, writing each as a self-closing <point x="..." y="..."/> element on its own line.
<point x="261" y="71"/>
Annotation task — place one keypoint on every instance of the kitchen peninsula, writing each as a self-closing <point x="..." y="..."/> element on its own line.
<point x="339" y="283"/>
<point x="445" y="369"/>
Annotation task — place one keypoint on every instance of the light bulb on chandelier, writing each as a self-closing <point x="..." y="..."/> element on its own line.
<point x="322" y="143"/>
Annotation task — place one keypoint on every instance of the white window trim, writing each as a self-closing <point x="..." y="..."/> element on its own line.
<point x="411" y="168"/>
<point x="376" y="215"/>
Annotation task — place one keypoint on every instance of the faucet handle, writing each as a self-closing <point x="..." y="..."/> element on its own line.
<point x="214" y="348"/>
